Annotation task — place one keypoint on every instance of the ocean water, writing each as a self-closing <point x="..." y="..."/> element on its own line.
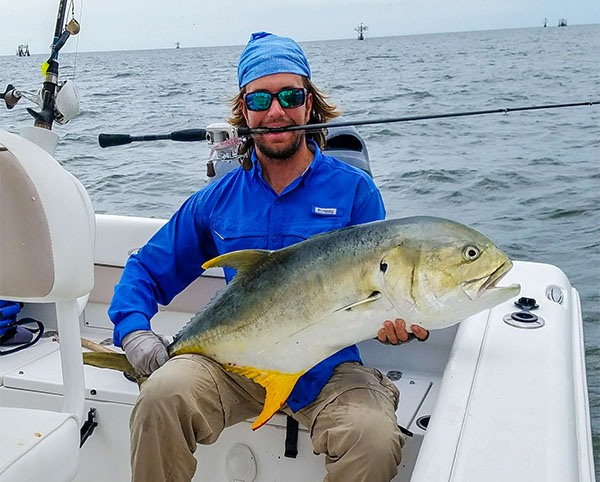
<point x="530" y="180"/>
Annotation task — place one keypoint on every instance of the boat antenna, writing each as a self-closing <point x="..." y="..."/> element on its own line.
<point x="62" y="31"/>
<point x="108" y="140"/>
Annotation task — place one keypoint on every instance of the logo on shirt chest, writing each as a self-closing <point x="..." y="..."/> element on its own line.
<point x="325" y="211"/>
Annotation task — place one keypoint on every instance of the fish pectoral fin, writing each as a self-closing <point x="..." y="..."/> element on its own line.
<point x="278" y="385"/>
<point x="372" y="297"/>
<point x="239" y="260"/>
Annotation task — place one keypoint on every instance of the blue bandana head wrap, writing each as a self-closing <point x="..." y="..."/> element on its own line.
<point x="267" y="54"/>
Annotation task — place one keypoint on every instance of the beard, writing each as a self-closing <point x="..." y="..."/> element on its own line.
<point x="279" y="152"/>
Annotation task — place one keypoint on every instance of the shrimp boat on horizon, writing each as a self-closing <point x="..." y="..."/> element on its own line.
<point x="500" y="397"/>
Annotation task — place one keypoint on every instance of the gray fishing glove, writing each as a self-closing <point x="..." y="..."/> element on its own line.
<point x="145" y="350"/>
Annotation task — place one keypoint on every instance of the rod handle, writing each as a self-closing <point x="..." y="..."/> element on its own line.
<point x="108" y="140"/>
<point x="189" y="135"/>
<point x="185" y="135"/>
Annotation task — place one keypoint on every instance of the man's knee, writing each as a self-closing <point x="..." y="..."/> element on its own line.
<point x="180" y="398"/>
<point x="161" y="390"/>
<point x="373" y="432"/>
<point x="176" y="391"/>
<point x="351" y="423"/>
<point x="361" y="443"/>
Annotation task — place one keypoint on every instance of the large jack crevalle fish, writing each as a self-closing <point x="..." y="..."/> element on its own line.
<point x="287" y="310"/>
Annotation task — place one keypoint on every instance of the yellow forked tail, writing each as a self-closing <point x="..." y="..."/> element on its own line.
<point x="278" y="385"/>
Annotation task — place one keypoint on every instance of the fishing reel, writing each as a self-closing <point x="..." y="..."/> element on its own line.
<point x="224" y="144"/>
<point x="58" y="101"/>
<point x="222" y="139"/>
<point x="66" y="101"/>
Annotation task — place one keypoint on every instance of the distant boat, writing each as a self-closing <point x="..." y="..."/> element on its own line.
<point x="23" y="50"/>
<point x="361" y="29"/>
<point x="545" y="22"/>
<point x="177" y="44"/>
<point x="562" y="22"/>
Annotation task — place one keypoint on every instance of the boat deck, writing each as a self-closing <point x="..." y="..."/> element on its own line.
<point x="500" y="395"/>
<point x="32" y="378"/>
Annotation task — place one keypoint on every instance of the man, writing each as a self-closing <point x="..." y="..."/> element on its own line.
<point x="290" y="192"/>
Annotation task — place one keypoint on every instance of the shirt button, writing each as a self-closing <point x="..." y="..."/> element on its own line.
<point x="274" y="238"/>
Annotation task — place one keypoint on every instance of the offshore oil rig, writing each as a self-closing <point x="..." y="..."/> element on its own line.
<point x="562" y="22"/>
<point x="361" y="29"/>
<point x="23" y="50"/>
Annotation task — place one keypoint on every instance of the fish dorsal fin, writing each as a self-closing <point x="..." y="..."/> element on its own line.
<point x="373" y="297"/>
<point x="278" y="385"/>
<point x="239" y="260"/>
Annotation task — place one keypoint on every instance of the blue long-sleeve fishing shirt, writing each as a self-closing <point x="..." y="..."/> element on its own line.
<point x="242" y="211"/>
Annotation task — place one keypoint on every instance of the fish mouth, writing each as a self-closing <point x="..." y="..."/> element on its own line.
<point x="497" y="275"/>
<point x="480" y="287"/>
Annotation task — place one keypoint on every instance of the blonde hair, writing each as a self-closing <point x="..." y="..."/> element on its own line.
<point x="321" y="112"/>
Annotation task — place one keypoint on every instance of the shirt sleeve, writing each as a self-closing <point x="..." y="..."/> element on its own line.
<point x="368" y="204"/>
<point x="166" y="265"/>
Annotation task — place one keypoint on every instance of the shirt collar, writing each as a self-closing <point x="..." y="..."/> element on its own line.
<point x="312" y="145"/>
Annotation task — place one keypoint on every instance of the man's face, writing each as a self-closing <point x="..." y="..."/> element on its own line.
<point x="282" y="145"/>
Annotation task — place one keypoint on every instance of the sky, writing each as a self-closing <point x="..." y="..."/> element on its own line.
<point x="150" y="24"/>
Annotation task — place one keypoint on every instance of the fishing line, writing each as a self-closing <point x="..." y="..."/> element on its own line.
<point x="77" y="41"/>
<point x="244" y="131"/>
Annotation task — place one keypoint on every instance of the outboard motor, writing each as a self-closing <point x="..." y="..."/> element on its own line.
<point x="346" y="144"/>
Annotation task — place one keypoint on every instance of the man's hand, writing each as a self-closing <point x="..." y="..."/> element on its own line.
<point x="395" y="333"/>
<point x="145" y="350"/>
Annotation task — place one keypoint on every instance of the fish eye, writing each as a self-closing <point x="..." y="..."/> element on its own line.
<point x="471" y="253"/>
<point x="383" y="266"/>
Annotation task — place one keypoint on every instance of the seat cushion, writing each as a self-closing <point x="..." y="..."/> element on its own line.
<point x="43" y="208"/>
<point x="37" y="445"/>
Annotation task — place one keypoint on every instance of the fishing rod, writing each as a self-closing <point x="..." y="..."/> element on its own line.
<point x="316" y="127"/>
<point x="50" y="88"/>
<point x="108" y="140"/>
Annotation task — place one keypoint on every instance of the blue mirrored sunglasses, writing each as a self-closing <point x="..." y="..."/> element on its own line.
<point x="287" y="98"/>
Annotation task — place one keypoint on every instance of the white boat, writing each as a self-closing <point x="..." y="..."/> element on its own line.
<point x="500" y="397"/>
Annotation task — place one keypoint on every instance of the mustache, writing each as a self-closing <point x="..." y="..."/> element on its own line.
<point x="279" y="122"/>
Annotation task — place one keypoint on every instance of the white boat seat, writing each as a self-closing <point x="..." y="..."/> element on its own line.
<point x="39" y="441"/>
<point x="47" y="230"/>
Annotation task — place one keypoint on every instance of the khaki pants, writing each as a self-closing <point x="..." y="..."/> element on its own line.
<point x="191" y="399"/>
